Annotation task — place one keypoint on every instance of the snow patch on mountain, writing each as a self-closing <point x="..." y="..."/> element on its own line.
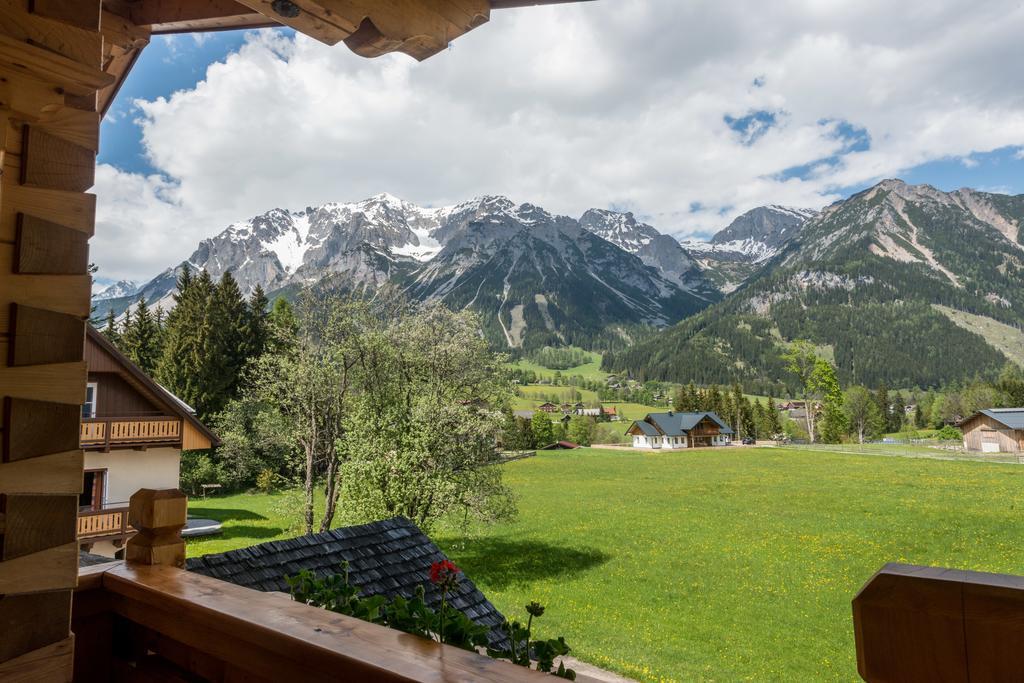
<point x="114" y="290"/>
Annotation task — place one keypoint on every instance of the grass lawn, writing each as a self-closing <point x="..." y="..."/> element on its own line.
<point x="718" y="564"/>
<point x="590" y="370"/>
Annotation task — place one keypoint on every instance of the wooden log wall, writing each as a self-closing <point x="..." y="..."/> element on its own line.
<point x="51" y="67"/>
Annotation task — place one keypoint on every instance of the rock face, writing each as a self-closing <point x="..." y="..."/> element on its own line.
<point x="534" y="277"/>
<point x="877" y="280"/>
<point x="659" y="251"/>
<point x="742" y="248"/>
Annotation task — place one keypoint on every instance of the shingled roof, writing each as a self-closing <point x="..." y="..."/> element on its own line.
<point x="677" y="424"/>
<point x="388" y="557"/>
<point x="1013" y="418"/>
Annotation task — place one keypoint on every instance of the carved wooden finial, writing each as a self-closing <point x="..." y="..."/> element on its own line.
<point x="159" y="517"/>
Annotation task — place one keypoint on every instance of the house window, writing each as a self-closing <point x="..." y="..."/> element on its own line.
<point x="89" y="407"/>
<point x="93" y="490"/>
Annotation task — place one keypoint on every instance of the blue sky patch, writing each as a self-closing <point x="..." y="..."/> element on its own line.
<point x="752" y="126"/>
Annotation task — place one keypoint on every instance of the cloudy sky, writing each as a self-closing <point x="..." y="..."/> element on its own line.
<point x="686" y="113"/>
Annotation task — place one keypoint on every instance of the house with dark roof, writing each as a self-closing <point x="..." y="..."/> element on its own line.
<point x="132" y="433"/>
<point x="390" y="557"/>
<point x="996" y="430"/>
<point x="680" y="430"/>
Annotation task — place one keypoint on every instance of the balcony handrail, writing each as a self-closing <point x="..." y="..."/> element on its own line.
<point x="271" y="637"/>
<point x="87" y="530"/>
<point x="96" y="431"/>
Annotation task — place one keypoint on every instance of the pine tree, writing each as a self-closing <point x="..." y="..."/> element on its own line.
<point x="692" y="398"/>
<point x="141" y="340"/>
<point x="257" y="329"/>
<point x="224" y="353"/>
<point x="919" y="421"/>
<point x="713" y="401"/>
<point x="774" y="423"/>
<point x="181" y="362"/>
<point x="884" y="406"/>
<point x="110" y="330"/>
<point x="898" y="413"/>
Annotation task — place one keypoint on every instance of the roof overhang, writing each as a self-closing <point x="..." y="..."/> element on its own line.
<point x="370" y="28"/>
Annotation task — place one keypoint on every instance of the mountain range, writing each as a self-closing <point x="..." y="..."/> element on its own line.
<point x="894" y="283"/>
<point x="899" y="284"/>
<point x="535" y="278"/>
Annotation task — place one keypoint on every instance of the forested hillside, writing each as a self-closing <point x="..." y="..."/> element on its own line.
<point x="859" y="282"/>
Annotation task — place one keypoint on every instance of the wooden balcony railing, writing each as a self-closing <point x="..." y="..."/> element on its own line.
<point x="147" y="619"/>
<point x="105" y="522"/>
<point x="108" y="432"/>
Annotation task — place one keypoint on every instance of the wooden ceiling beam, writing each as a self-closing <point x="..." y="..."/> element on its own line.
<point x="186" y="16"/>
<point x="419" y="28"/>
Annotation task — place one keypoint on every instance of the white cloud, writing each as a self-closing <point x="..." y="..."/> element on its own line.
<point x="610" y="103"/>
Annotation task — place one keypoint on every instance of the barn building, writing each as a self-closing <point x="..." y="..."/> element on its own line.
<point x="996" y="430"/>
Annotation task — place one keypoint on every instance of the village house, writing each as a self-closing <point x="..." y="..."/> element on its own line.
<point x="133" y="431"/>
<point x="996" y="430"/>
<point x="610" y="413"/>
<point x="548" y="407"/>
<point x="680" y="430"/>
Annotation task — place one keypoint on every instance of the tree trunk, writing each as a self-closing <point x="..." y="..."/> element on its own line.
<point x="331" y="490"/>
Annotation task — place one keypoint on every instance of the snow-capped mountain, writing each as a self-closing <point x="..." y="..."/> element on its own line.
<point x="742" y="248"/>
<point x="523" y="269"/>
<point x="540" y="278"/>
<point x="659" y="251"/>
<point x="115" y="290"/>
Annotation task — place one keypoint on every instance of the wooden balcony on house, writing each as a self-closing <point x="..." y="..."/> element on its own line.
<point x="106" y="433"/>
<point x="104" y="524"/>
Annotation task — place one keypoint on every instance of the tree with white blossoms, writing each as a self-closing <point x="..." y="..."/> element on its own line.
<point x="420" y="434"/>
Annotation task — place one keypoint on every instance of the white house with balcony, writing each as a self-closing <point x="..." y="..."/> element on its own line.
<point x="672" y="430"/>
<point x="133" y="431"/>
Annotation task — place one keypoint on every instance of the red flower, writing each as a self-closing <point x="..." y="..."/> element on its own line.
<point x="443" y="572"/>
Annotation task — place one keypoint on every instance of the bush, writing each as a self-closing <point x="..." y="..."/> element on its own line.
<point x="197" y="469"/>
<point x="269" y="481"/>
<point x="949" y="433"/>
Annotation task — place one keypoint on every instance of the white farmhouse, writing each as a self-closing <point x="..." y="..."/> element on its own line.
<point x="680" y="430"/>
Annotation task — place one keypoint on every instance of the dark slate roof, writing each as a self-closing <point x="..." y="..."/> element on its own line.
<point x="388" y="557"/>
<point x="1013" y="418"/>
<point x="646" y="427"/>
<point x="678" y="424"/>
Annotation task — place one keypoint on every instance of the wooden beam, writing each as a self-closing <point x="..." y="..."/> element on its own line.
<point x="73" y="42"/>
<point x="38" y="522"/>
<point x="24" y="622"/>
<point x="55" y="163"/>
<point x="50" y="67"/>
<point x="41" y="337"/>
<point x="42" y="247"/>
<point x="81" y="13"/>
<point x="180" y="16"/>
<point x="54" y="662"/>
<point x="46" y="570"/>
<point x="73" y="210"/>
<point x="54" y="473"/>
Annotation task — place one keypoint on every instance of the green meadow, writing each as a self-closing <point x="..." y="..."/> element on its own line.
<point x="717" y="564"/>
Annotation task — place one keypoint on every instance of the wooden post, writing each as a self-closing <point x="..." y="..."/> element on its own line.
<point x="159" y="517"/>
<point x="50" y="65"/>
<point x="932" y="624"/>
